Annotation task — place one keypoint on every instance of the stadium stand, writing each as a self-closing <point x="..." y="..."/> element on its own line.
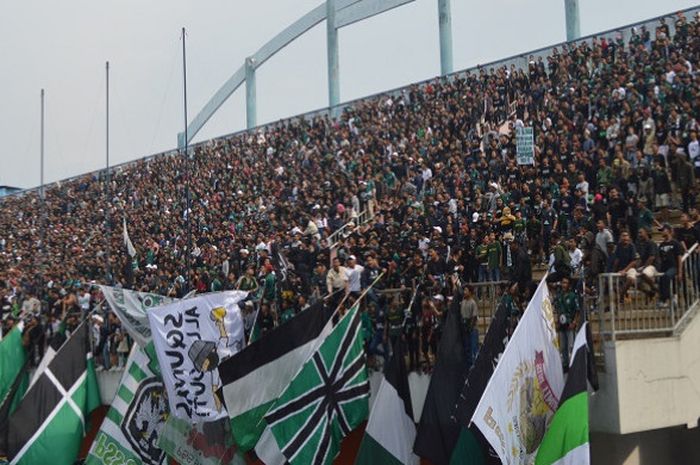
<point x="422" y="183"/>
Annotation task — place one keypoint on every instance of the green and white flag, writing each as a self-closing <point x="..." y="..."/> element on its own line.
<point x="566" y="441"/>
<point x="12" y="359"/>
<point x="254" y="378"/>
<point x="326" y="400"/>
<point x="49" y="423"/>
<point x="391" y="430"/>
<point x="130" y="432"/>
<point x="131" y="308"/>
<point x="524" y="390"/>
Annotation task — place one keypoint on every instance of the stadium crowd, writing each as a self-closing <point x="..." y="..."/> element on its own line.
<point x="428" y="176"/>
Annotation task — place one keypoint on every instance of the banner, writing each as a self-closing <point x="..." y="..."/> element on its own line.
<point x="524" y="391"/>
<point x="129" y="433"/>
<point x="131" y="308"/>
<point x="191" y="337"/>
<point x="525" y="146"/>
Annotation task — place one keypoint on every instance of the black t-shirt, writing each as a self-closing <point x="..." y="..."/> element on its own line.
<point x="688" y="235"/>
<point x="647" y="249"/>
<point x="669" y="251"/>
<point x="624" y="255"/>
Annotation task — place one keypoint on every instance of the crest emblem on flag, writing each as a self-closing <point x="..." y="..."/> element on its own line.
<point x="145" y="419"/>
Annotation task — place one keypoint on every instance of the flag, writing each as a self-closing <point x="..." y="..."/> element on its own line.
<point x="255" y="377"/>
<point x="391" y="429"/>
<point x="202" y="443"/>
<point x="524" y="390"/>
<point x="131" y="308"/>
<point x="12" y="359"/>
<point x="325" y="401"/>
<point x="191" y="337"/>
<point x="127" y="240"/>
<point x="135" y="419"/>
<point x="566" y="441"/>
<point x="471" y="446"/>
<point x="49" y="423"/>
<point x="437" y="430"/>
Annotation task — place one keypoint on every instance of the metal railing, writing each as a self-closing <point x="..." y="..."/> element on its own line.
<point x="363" y="218"/>
<point x="645" y="303"/>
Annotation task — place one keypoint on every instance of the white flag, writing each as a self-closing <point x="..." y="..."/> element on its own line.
<point x="191" y="337"/>
<point x="523" y="393"/>
<point x="127" y="240"/>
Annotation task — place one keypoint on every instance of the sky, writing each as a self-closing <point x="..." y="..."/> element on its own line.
<point x="63" y="46"/>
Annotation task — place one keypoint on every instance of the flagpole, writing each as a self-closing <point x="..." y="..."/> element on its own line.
<point x="42" y="194"/>
<point x="108" y="225"/>
<point x="187" y="168"/>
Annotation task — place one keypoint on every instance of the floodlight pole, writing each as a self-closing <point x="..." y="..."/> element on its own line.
<point x="108" y="190"/>
<point x="188" y="211"/>
<point x="445" y="23"/>
<point x="42" y="195"/>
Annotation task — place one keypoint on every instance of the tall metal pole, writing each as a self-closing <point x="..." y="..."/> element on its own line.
<point x="188" y="212"/>
<point x="42" y="194"/>
<point x="108" y="190"/>
<point x="573" y="20"/>
<point x="445" y="24"/>
<point x="332" y="49"/>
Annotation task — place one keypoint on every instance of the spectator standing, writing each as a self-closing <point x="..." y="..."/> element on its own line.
<point x="566" y="305"/>
<point x="670" y="251"/>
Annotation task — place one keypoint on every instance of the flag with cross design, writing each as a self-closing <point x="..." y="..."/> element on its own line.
<point x="327" y="399"/>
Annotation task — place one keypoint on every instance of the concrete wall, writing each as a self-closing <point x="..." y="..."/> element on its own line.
<point x="669" y="446"/>
<point x="658" y="381"/>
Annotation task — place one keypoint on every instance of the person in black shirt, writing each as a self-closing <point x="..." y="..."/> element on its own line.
<point x="670" y="252"/>
<point x="648" y="256"/>
<point x="686" y="233"/>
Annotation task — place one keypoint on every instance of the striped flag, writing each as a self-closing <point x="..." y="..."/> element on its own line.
<point x="49" y="423"/>
<point x="132" y="427"/>
<point x="255" y="377"/>
<point x="566" y="442"/>
<point x="391" y="429"/>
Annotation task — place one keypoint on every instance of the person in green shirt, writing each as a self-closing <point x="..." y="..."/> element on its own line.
<point x="269" y="283"/>
<point x="248" y="281"/>
<point x="482" y="258"/>
<point x="566" y="306"/>
<point x="495" y="253"/>
<point x="287" y="311"/>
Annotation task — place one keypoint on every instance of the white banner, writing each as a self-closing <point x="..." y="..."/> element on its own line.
<point x="131" y="307"/>
<point x="523" y="393"/>
<point x="191" y="337"/>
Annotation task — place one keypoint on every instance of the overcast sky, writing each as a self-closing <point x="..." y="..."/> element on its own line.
<point x="63" y="46"/>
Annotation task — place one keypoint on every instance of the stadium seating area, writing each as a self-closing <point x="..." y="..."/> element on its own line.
<point x="427" y="176"/>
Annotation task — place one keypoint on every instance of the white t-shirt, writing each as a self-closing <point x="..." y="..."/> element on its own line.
<point x="354" y="275"/>
<point x="84" y="301"/>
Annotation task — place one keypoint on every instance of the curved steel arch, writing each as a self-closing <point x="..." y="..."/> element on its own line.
<point x="338" y="13"/>
<point x="347" y="12"/>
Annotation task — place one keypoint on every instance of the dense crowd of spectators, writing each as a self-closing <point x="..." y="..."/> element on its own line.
<point x="434" y="169"/>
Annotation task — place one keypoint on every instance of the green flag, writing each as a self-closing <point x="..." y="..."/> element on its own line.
<point x="131" y="429"/>
<point x="326" y="400"/>
<point x="50" y="421"/>
<point x="12" y="358"/>
<point x="566" y="440"/>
